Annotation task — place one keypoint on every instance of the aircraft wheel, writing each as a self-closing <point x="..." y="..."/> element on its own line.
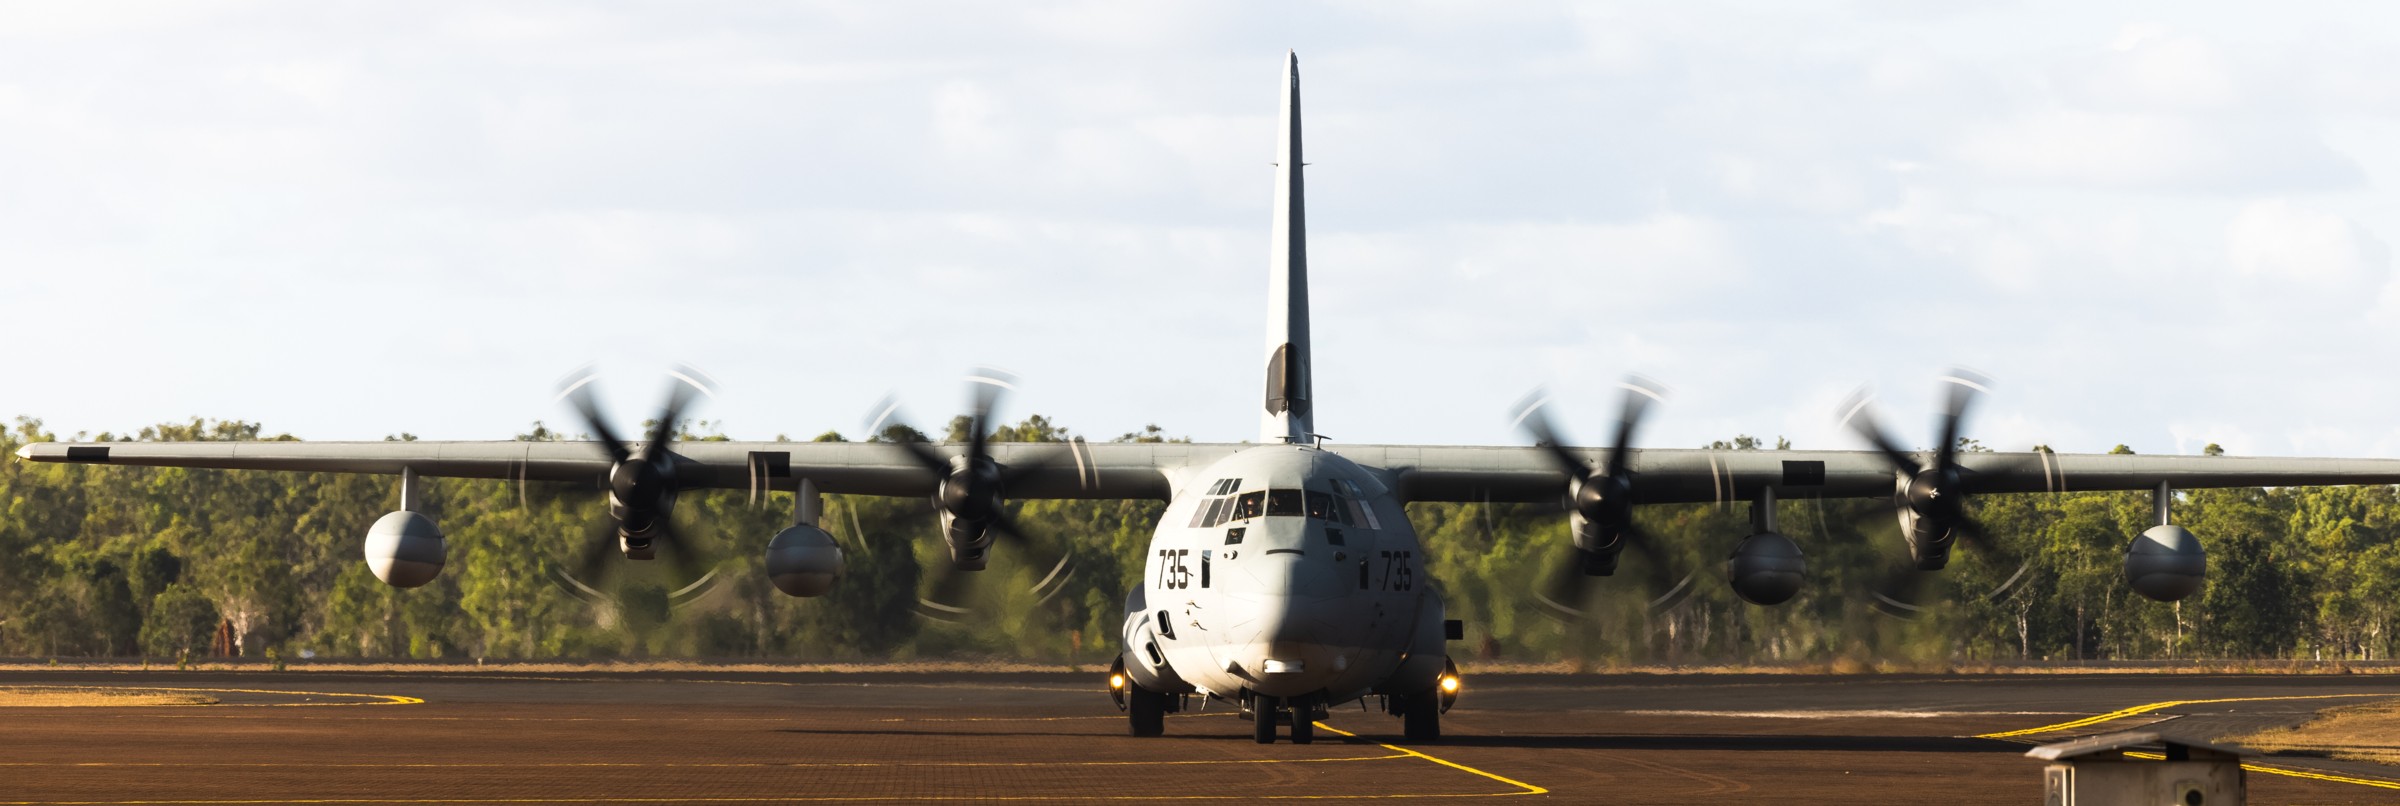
<point x="1304" y="730"/>
<point x="1421" y="717"/>
<point x="1262" y="718"/>
<point x="1146" y="710"/>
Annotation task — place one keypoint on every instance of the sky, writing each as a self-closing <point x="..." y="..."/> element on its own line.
<point x="2156" y="224"/>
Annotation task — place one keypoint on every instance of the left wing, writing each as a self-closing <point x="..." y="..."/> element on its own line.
<point x="1667" y="476"/>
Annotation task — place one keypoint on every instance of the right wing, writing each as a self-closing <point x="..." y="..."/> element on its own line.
<point x="1049" y="469"/>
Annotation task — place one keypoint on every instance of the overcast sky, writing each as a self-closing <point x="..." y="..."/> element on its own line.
<point x="2157" y="224"/>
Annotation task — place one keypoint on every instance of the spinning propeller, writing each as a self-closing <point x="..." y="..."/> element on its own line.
<point x="970" y="495"/>
<point x="1931" y="498"/>
<point x="641" y="486"/>
<point x="1601" y="506"/>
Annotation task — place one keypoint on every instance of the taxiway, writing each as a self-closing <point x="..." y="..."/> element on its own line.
<point x="701" y="737"/>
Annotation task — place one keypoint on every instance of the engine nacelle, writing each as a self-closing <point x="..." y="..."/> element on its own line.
<point x="405" y="549"/>
<point x="970" y="542"/>
<point x="1928" y="541"/>
<point x="2166" y="563"/>
<point x="1766" y="569"/>
<point x="803" y="561"/>
<point x="1596" y="548"/>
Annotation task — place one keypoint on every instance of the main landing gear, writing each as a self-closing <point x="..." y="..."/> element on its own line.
<point x="1145" y="710"/>
<point x="1421" y="713"/>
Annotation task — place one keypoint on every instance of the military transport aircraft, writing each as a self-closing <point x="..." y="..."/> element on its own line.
<point x="1284" y="577"/>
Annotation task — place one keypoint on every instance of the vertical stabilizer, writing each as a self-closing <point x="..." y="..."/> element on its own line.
<point x="1288" y="417"/>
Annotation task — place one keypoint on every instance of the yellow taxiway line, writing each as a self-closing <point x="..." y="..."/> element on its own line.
<point x="1528" y="789"/>
<point x="2121" y="713"/>
<point x="371" y="699"/>
<point x="2139" y="710"/>
<point x="1397" y="752"/>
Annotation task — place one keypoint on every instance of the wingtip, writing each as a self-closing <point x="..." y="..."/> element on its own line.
<point x="25" y="453"/>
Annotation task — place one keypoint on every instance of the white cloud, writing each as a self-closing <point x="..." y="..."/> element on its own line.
<point x="1763" y="208"/>
<point x="2149" y="67"/>
<point x="2285" y="255"/>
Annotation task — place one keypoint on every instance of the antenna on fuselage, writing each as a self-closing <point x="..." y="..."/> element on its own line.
<point x="1288" y="416"/>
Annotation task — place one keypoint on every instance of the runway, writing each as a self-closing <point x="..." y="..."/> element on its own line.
<point x="701" y="737"/>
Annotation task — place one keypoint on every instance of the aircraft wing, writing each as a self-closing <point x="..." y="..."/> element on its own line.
<point x="1662" y="476"/>
<point x="1043" y="470"/>
<point x="1142" y="470"/>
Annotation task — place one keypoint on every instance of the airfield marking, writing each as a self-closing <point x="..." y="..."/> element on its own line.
<point x="1397" y="752"/>
<point x="2139" y="710"/>
<point x="699" y="764"/>
<point x="1529" y="788"/>
<point x="378" y="699"/>
<point x="2290" y="772"/>
<point x="2296" y="772"/>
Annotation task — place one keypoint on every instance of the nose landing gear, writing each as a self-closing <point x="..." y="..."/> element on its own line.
<point x="1299" y="712"/>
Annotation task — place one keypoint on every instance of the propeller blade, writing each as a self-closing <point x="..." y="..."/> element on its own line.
<point x="583" y="577"/>
<point x="1858" y="414"/>
<point x="986" y="386"/>
<point x="690" y="562"/>
<point x="662" y="431"/>
<point x="1901" y="592"/>
<point x="947" y="600"/>
<point x="1567" y="588"/>
<point x="577" y="391"/>
<point x="1666" y="590"/>
<point x="1057" y="566"/>
<point x="887" y="414"/>
<point x="1973" y="533"/>
<point x="1640" y="392"/>
<point x="1964" y="385"/>
<point x="1536" y="424"/>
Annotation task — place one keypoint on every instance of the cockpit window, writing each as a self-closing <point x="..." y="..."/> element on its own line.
<point x="1250" y="505"/>
<point x="1333" y="508"/>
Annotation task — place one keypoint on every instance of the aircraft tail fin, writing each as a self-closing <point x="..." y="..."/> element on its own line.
<point x="1288" y="416"/>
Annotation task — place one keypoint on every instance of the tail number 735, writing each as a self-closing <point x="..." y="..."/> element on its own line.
<point x="1172" y="572"/>
<point x="1399" y="572"/>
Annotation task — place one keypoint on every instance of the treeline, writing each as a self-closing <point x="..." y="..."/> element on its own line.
<point x="165" y="563"/>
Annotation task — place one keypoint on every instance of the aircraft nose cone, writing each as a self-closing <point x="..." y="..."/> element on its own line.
<point x="1296" y="651"/>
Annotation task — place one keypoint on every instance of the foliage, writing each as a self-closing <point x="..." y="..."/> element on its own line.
<point x="151" y="561"/>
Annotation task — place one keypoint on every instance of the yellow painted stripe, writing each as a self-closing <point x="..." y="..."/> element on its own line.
<point x="1397" y="753"/>
<point x="376" y="699"/>
<point x="2294" y="772"/>
<point x="1529" y="789"/>
<point x="2289" y="772"/>
<point x="705" y="764"/>
<point x="2156" y="706"/>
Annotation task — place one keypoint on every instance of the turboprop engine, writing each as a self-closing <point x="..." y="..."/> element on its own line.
<point x="803" y="561"/>
<point x="405" y="549"/>
<point x="2165" y="563"/>
<point x="1765" y="569"/>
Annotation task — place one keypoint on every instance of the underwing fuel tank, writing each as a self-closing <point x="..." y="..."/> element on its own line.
<point x="803" y="561"/>
<point x="405" y="549"/>
<point x="2165" y="563"/>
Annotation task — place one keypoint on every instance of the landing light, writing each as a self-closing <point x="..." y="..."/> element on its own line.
<point x="1116" y="681"/>
<point x="1449" y="685"/>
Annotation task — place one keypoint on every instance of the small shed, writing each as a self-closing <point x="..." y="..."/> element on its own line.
<point x="2098" y="770"/>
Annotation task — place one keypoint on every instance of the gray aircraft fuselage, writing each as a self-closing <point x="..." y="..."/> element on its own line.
<point x="1287" y="571"/>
